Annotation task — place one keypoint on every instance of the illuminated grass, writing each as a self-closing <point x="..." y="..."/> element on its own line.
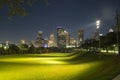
<point x="43" y="72"/>
<point x="40" y="59"/>
<point x="62" y="67"/>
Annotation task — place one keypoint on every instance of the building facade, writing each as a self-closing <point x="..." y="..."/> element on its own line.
<point x="52" y="41"/>
<point x="80" y="37"/>
<point x="96" y="34"/>
<point x="61" y="37"/>
<point x="39" y="41"/>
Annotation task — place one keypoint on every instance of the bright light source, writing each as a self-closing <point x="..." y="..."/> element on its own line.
<point x="101" y="34"/>
<point x="65" y="31"/>
<point x="98" y="22"/>
<point x="23" y="41"/>
<point x="5" y="47"/>
<point x="98" y="27"/>
<point x="111" y="30"/>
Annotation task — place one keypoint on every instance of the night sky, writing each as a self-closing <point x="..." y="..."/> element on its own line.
<point x="70" y="14"/>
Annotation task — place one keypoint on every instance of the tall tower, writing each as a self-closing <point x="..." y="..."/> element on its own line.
<point x="61" y="37"/>
<point x="52" y="42"/>
<point x="96" y="35"/>
<point x="67" y="38"/>
<point x="80" y="36"/>
<point x="39" y="40"/>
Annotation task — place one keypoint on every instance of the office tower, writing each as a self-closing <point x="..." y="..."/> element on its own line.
<point x="61" y="37"/>
<point x="52" y="42"/>
<point x="73" y="42"/>
<point x="39" y="41"/>
<point x="96" y="35"/>
<point x="67" y="39"/>
<point x="80" y="37"/>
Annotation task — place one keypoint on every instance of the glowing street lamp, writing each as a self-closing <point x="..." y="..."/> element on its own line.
<point x="98" y="27"/>
<point x="98" y="22"/>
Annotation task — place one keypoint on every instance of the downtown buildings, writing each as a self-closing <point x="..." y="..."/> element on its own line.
<point x="62" y="36"/>
<point x="62" y="39"/>
<point x="39" y="41"/>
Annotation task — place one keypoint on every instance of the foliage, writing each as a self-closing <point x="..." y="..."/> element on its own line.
<point x="106" y="42"/>
<point x="31" y="49"/>
<point x="90" y="44"/>
<point x="17" y="7"/>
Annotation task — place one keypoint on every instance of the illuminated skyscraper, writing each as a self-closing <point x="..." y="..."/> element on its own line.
<point x="67" y="38"/>
<point x="80" y="36"/>
<point x="52" y="42"/>
<point x="45" y="43"/>
<point x="39" y="41"/>
<point x="61" y="37"/>
<point x="73" y="42"/>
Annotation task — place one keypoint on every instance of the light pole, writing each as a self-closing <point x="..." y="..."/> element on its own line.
<point x="98" y="27"/>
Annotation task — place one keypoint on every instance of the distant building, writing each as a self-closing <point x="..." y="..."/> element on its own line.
<point x="73" y="42"/>
<point x="61" y="37"/>
<point x="45" y="43"/>
<point x="111" y="30"/>
<point x="96" y="35"/>
<point x="117" y="28"/>
<point x="67" y="38"/>
<point x="51" y="41"/>
<point x="39" y="41"/>
<point x="80" y="37"/>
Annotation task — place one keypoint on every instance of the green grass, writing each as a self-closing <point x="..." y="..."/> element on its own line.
<point x="59" y="66"/>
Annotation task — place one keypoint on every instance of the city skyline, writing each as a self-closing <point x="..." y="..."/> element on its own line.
<point x="71" y="15"/>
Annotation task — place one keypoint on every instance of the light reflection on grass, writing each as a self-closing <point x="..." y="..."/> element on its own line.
<point x="34" y="60"/>
<point x="45" y="72"/>
<point x="40" y="60"/>
<point x="40" y="68"/>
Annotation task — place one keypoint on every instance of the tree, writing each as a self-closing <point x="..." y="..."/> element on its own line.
<point x="31" y="49"/>
<point x="118" y="29"/>
<point x="17" y="7"/>
<point x="108" y="40"/>
<point x="13" y="49"/>
<point x="90" y="44"/>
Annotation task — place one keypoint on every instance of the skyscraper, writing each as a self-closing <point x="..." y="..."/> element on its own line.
<point x="67" y="38"/>
<point x="61" y="37"/>
<point x="39" y="41"/>
<point x="80" y="36"/>
<point x="72" y="42"/>
<point x="96" y="35"/>
<point x="52" y="42"/>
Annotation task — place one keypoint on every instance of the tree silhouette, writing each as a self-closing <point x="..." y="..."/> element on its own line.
<point x="17" y="7"/>
<point x="118" y="29"/>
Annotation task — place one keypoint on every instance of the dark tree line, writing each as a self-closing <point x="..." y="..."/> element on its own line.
<point x="117" y="18"/>
<point x="107" y="42"/>
<point x="31" y="49"/>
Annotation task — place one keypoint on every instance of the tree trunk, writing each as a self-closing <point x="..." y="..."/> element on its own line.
<point x="119" y="49"/>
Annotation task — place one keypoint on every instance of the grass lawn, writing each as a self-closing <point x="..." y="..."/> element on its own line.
<point x="59" y="66"/>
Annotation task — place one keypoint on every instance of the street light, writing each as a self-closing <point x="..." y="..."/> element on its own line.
<point x="98" y="27"/>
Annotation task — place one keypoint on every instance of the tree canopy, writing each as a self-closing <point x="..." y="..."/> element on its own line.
<point x="17" y="7"/>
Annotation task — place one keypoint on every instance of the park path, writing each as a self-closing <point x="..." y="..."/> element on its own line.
<point x="117" y="77"/>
